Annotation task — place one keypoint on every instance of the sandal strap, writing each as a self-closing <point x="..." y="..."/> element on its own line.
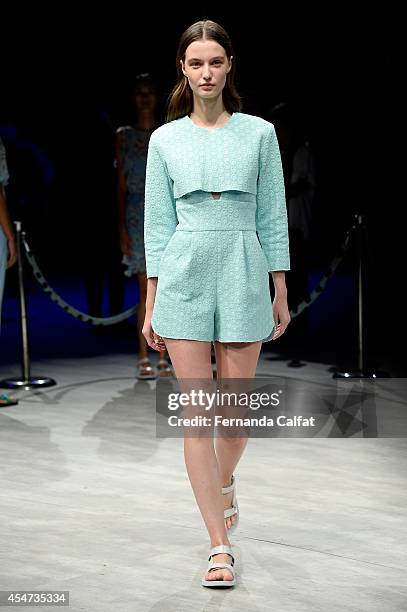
<point x="145" y="364"/>
<point x="227" y="566"/>
<point x="229" y="512"/>
<point x="233" y="508"/>
<point x="229" y="488"/>
<point x="222" y="548"/>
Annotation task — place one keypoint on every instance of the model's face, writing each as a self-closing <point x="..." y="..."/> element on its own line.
<point x="206" y="67"/>
<point x="144" y="97"/>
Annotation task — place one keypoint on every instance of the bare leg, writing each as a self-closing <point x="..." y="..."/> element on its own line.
<point x="233" y="360"/>
<point x="192" y="359"/>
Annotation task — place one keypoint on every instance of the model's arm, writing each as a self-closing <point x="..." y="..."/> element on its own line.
<point x="125" y="242"/>
<point x="271" y="212"/>
<point x="279" y="283"/>
<point x="150" y="299"/>
<point x="160" y="217"/>
<point x="160" y="221"/>
<point x="5" y="224"/>
<point x="272" y="225"/>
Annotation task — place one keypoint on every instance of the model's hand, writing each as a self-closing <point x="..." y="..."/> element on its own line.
<point x="152" y="339"/>
<point x="12" y="252"/>
<point x="125" y="242"/>
<point x="281" y="316"/>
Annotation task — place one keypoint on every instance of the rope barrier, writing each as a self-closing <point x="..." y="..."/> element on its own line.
<point x="74" y="312"/>
<point x="310" y="299"/>
<point x="294" y="312"/>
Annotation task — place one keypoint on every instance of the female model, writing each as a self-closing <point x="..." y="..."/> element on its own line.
<point x="213" y="178"/>
<point x="131" y="155"/>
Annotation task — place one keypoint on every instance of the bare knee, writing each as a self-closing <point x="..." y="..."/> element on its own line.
<point x="232" y="442"/>
<point x="198" y="443"/>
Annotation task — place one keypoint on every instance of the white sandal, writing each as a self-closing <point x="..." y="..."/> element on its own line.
<point x="234" y="508"/>
<point x="222" y="548"/>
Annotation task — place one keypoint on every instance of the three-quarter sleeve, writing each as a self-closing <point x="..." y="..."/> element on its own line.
<point x="160" y="216"/>
<point x="271" y="212"/>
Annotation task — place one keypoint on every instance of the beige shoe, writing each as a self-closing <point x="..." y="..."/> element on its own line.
<point x="222" y="548"/>
<point x="234" y="508"/>
<point x="145" y="371"/>
<point x="164" y="369"/>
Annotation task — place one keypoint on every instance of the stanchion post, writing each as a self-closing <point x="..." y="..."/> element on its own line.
<point x="361" y="276"/>
<point x="361" y="371"/>
<point x="26" y="381"/>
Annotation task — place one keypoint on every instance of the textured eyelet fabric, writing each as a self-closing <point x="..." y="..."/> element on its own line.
<point x="212" y="255"/>
<point x="213" y="284"/>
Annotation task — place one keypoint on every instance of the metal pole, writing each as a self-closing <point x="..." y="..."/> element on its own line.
<point x="360" y="292"/>
<point x="360" y="372"/>
<point x="26" y="381"/>
<point x="23" y="309"/>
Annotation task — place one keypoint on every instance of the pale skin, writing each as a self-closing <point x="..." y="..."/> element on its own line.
<point x="210" y="464"/>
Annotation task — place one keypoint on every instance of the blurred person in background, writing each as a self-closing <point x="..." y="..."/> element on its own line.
<point x="131" y="157"/>
<point x="8" y="251"/>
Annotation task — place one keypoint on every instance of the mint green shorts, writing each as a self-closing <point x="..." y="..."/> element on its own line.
<point x="213" y="279"/>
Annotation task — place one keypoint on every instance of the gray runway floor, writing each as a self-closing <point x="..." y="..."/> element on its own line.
<point x="92" y="502"/>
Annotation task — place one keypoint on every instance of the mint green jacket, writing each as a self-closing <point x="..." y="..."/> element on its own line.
<point x="243" y="155"/>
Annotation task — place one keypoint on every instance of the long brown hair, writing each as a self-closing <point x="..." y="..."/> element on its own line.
<point x="180" y="101"/>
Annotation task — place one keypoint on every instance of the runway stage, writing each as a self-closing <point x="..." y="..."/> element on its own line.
<point x="92" y="502"/>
